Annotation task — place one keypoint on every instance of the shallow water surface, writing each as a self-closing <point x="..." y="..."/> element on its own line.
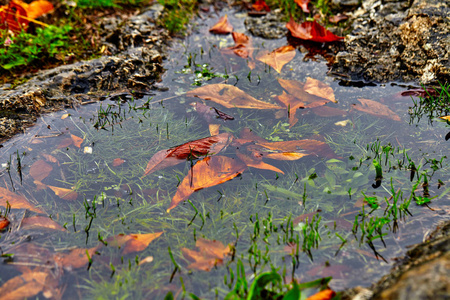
<point x="332" y="189"/>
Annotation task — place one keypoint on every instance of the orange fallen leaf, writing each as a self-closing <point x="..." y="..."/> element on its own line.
<point x="243" y="45"/>
<point x="4" y="222"/>
<point x="50" y="158"/>
<point x="190" y="150"/>
<point x="16" y="201"/>
<point x="24" y="286"/>
<point x="133" y="242"/>
<point x="318" y="88"/>
<point x="278" y="58"/>
<point x="63" y="193"/>
<point x="214" y="129"/>
<point x="222" y="26"/>
<point x="260" y="5"/>
<point x="292" y="103"/>
<point x="210" y="254"/>
<point x="322" y="295"/>
<point x="38" y="8"/>
<point x="257" y="163"/>
<point x="39" y="170"/>
<point x="211" y="171"/>
<point x="76" y="140"/>
<point x="76" y="258"/>
<point x="39" y="222"/>
<point x="229" y="96"/>
<point x="303" y="5"/>
<point x="297" y="89"/>
<point x="117" y="162"/>
<point x="13" y="17"/>
<point x="311" y="31"/>
<point x="286" y="155"/>
<point x="248" y="134"/>
<point x="376" y="109"/>
<point x="310" y="146"/>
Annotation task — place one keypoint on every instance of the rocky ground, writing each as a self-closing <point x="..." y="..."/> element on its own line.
<point x="390" y="41"/>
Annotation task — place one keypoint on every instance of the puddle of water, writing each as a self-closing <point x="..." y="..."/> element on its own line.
<point x="82" y="172"/>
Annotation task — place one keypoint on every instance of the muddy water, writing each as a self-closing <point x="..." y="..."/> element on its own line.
<point x="81" y="171"/>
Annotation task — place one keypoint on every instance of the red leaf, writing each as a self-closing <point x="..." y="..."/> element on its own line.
<point x="303" y="5"/>
<point x="4" y="222"/>
<point x="190" y="150"/>
<point x="222" y="26"/>
<point x="260" y="5"/>
<point x="11" y="17"/>
<point x="311" y="31"/>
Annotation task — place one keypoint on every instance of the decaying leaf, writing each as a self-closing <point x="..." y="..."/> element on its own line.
<point x="318" y="88"/>
<point x="211" y="171"/>
<point x="243" y="45"/>
<point x="210" y="254"/>
<point x="303" y="5"/>
<point x="229" y="96"/>
<point x="63" y="193"/>
<point x="16" y="201"/>
<point x="24" y="286"/>
<point x="117" y="162"/>
<point x="257" y="163"/>
<point x="376" y="109"/>
<point x="190" y="150"/>
<point x="222" y="26"/>
<point x="77" y="141"/>
<point x="40" y="222"/>
<point x="338" y="18"/>
<point x="311" y="31"/>
<point x="322" y="295"/>
<point x="39" y="170"/>
<point x="309" y="146"/>
<point x="50" y="158"/>
<point x="76" y="258"/>
<point x="133" y="242"/>
<point x="278" y="58"/>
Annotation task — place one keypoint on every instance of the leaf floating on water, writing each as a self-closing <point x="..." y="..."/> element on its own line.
<point x="318" y="88"/>
<point x="322" y="295"/>
<point x="286" y="155"/>
<point x="77" y="141"/>
<point x="222" y="26"/>
<point x="76" y="258"/>
<point x="208" y="172"/>
<point x="16" y="201"/>
<point x="133" y="242"/>
<point x="190" y="150"/>
<point x="303" y="5"/>
<point x="311" y="31"/>
<point x="292" y="103"/>
<point x="243" y="45"/>
<point x="23" y="286"/>
<point x="39" y="170"/>
<point x="257" y="163"/>
<point x="40" y="222"/>
<point x="229" y="96"/>
<point x="376" y="109"/>
<point x="278" y="58"/>
<point x="210" y="254"/>
<point x="310" y="146"/>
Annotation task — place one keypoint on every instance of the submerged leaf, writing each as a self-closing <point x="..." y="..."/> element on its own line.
<point x="190" y="150"/>
<point x="40" y="222"/>
<point x="376" y="109"/>
<point x="16" y="201"/>
<point x="311" y="31"/>
<point x="208" y="172"/>
<point x="257" y="163"/>
<point x="77" y="141"/>
<point x="210" y="254"/>
<point x="229" y="96"/>
<point x="63" y="193"/>
<point x="318" y="88"/>
<point x="24" y="286"/>
<point x="243" y="45"/>
<point x="297" y="89"/>
<point x="76" y="258"/>
<point x="222" y="26"/>
<point x="278" y="58"/>
<point x="133" y="242"/>
<point x="310" y="146"/>
<point x="117" y="162"/>
<point x="39" y="170"/>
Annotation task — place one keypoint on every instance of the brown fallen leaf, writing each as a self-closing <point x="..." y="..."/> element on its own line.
<point x="211" y="171"/>
<point x="210" y="254"/>
<point x="222" y="26"/>
<point x="278" y="58"/>
<point x="292" y="104"/>
<point x="229" y="96"/>
<point x="247" y="134"/>
<point x="63" y="193"/>
<point x="322" y="295"/>
<point x="243" y="45"/>
<point x="257" y="163"/>
<point x="40" y="222"/>
<point x="24" y="286"/>
<point x="310" y="146"/>
<point x="210" y="114"/>
<point x="117" y="162"/>
<point x="318" y="88"/>
<point x="376" y="109"/>
<point x="190" y="150"/>
<point x="77" y="141"/>
<point x="297" y="89"/>
<point x="16" y="201"/>
<point x="133" y="242"/>
<point x="65" y="143"/>
<point x="76" y="258"/>
<point x="39" y="170"/>
<point x="4" y="222"/>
